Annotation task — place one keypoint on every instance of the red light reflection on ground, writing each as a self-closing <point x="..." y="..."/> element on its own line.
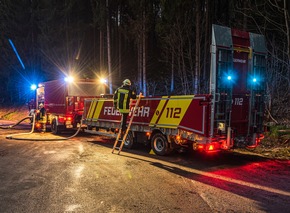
<point x="266" y="182"/>
<point x="265" y="173"/>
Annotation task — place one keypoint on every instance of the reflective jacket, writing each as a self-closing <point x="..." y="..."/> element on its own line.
<point x="122" y="98"/>
<point x="41" y="116"/>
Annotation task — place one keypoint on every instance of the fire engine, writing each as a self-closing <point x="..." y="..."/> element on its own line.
<point x="230" y="116"/>
<point x="64" y="101"/>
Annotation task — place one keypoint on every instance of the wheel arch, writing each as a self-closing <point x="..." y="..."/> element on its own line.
<point x="155" y="131"/>
<point x="162" y="131"/>
<point x="160" y="144"/>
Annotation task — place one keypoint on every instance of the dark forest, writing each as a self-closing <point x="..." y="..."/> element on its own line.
<point x="162" y="46"/>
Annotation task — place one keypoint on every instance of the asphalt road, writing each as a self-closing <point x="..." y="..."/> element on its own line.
<point x="82" y="175"/>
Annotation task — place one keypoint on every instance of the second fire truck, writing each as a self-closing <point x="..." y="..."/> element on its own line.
<point x="64" y="101"/>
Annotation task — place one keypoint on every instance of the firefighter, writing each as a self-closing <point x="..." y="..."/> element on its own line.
<point x="41" y="117"/>
<point x="122" y="98"/>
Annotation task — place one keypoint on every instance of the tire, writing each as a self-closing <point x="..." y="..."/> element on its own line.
<point x="54" y="128"/>
<point x="160" y="145"/>
<point x="129" y="142"/>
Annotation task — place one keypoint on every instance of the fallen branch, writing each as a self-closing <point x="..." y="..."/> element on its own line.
<point x="272" y="116"/>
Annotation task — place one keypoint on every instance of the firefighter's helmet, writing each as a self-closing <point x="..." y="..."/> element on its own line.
<point x="127" y="82"/>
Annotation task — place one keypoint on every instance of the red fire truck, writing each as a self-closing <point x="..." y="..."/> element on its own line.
<point x="230" y="116"/>
<point x="64" y="101"/>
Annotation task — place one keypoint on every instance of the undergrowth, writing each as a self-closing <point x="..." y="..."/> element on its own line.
<point x="13" y="113"/>
<point x="276" y="143"/>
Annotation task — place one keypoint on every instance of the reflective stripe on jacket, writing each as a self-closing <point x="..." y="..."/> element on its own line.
<point x="122" y="98"/>
<point x="42" y="116"/>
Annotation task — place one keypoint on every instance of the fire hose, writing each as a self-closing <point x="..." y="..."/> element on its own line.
<point x="11" y="126"/>
<point x="12" y="136"/>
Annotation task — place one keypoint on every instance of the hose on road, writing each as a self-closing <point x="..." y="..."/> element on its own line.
<point x="12" y="136"/>
<point x="11" y="126"/>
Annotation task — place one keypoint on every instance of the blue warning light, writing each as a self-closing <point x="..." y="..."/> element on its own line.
<point x="33" y="87"/>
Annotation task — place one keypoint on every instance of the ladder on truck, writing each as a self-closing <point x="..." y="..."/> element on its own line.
<point x="127" y="130"/>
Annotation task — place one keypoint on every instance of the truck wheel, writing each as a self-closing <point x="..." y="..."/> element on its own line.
<point x="54" y="127"/>
<point x="160" y="145"/>
<point x="129" y="142"/>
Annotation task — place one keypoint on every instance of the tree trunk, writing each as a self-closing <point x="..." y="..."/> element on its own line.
<point x="119" y="43"/>
<point x="101" y="51"/>
<point x="144" y="55"/>
<point x="197" y="47"/>
<point x="172" y="71"/>
<point x="286" y="16"/>
<point x="245" y="19"/>
<point x="139" y="48"/>
<point x="206" y="47"/>
<point x="109" y="48"/>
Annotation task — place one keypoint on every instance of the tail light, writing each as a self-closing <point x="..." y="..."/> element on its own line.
<point x="61" y="119"/>
<point x="68" y="118"/>
<point x="210" y="147"/>
<point x="200" y="147"/>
